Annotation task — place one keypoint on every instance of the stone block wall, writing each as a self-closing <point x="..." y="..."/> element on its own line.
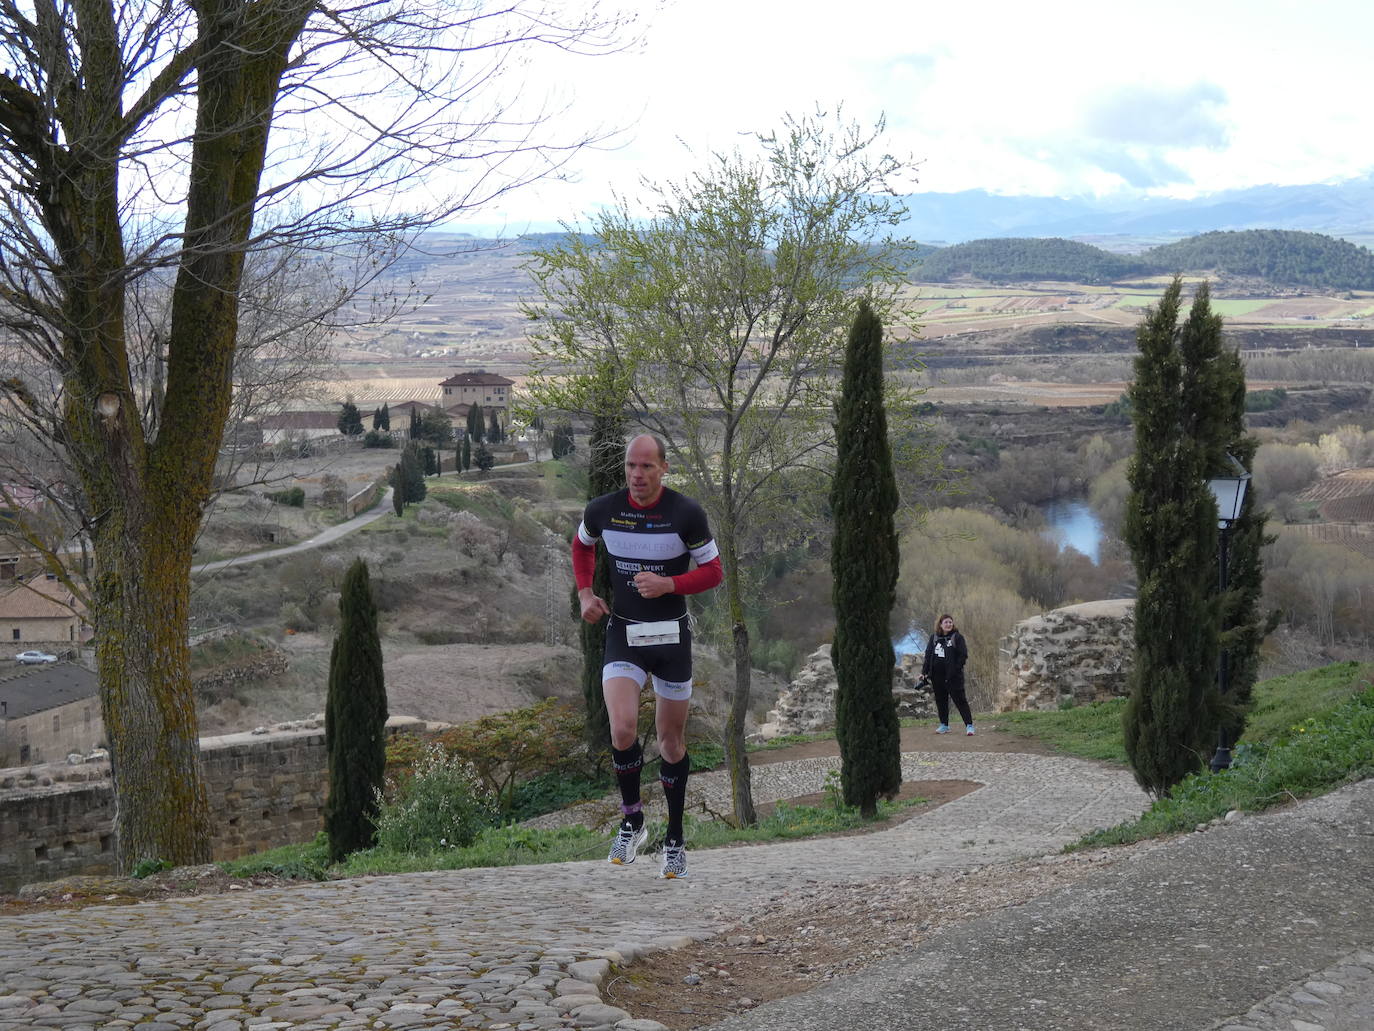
<point x="1074" y="655"/>
<point x="265" y="789"/>
<point x="808" y="703"/>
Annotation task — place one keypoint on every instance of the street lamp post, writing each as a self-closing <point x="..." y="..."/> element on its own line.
<point x="1229" y="492"/>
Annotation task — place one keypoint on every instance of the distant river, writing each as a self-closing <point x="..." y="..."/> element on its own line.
<point x="1073" y="524"/>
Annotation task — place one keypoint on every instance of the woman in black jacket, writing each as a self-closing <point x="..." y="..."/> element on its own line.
<point x="946" y="655"/>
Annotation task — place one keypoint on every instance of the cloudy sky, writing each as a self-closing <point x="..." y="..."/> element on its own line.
<point x="1070" y="99"/>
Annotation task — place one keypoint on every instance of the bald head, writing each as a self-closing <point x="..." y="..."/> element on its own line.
<point x="657" y="442"/>
<point x="645" y="464"/>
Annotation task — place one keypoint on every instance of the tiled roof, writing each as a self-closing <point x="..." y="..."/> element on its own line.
<point x="32" y="689"/>
<point x="301" y="421"/>
<point x="39" y="598"/>
<point x="477" y="379"/>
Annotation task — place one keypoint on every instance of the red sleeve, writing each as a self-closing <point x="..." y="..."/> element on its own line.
<point x="702" y="578"/>
<point x="584" y="562"/>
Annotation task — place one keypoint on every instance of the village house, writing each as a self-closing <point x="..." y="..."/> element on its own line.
<point x="47" y="713"/>
<point x="481" y="387"/>
<point x="41" y="611"/>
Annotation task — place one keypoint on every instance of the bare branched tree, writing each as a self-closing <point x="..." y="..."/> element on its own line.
<point x="168" y="168"/>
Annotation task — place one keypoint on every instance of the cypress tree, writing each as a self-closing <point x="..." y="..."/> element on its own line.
<point x="414" y="422"/>
<point x="1171" y="717"/>
<point x="1243" y="628"/>
<point x="864" y="561"/>
<point x="475" y="423"/>
<point x="376" y="418"/>
<point x="386" y="418"/>
<point x="355" y="719"/>
<point x="413" y="473"/>
<point x="398" y="492"/>
<point x="467" y="453"/>
<point x="494" y="428"/>
<point x="350" y="421"/>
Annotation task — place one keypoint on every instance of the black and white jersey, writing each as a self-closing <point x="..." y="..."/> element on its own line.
<point x="661" y="539"/>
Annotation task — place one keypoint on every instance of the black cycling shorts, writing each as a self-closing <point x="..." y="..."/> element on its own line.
<point x="669" y="664"/>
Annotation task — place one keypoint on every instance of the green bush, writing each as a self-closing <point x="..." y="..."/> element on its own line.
<point x="293" y="496"/>
<point x="373" y="439"/>
<point x="442" y="805"/>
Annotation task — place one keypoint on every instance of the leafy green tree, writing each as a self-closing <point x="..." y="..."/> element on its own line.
<point x="476" y="423"/>
<point x="726" y="312"/>
<point x="864" y="560"/>
<point x="436" y="427"/>
<point x="1178" y="409"/>
<point x="485" y="459"/>
<point x="355" y="719"/>
<point x="350" y="422"/>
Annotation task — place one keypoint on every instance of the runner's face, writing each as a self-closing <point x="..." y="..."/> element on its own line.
<point x="643" y="471"/>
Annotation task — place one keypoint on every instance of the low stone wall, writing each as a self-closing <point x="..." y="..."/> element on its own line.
<point x="1078" y="654"/>
<point x="265" y="789"/>
<point x="808" y="703"/>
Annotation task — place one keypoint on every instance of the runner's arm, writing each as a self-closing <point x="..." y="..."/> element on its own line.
<point x="702" y="578"/>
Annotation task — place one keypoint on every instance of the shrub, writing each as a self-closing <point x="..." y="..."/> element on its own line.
<point x="509" y="747"/>
<point x="293" y="496"/>
<point x="375" y="439"/>
<point x="442" y="805"/>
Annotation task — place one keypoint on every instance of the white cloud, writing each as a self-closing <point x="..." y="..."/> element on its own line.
<point x="1064" y="97"/>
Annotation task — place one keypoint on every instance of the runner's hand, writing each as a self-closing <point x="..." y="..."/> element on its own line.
<point x="593" y="607"/>
<point x="651" y="585"/>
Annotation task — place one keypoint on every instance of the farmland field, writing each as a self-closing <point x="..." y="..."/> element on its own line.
<point x="1349" y="484"/>
<point x="1358" y="537"/>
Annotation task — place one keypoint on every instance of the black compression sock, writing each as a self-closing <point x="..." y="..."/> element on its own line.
<point x="628" y="764"/>
<point x="673" y="776"/>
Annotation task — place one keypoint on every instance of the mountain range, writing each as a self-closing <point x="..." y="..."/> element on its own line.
<point x="1344" y="210"/>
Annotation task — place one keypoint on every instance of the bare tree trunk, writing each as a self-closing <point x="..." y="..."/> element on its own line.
<point x="737" y="759"/>
<point x="142" y="594"/>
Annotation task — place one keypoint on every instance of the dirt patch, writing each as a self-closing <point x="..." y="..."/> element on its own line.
<point x="816" y="933"/>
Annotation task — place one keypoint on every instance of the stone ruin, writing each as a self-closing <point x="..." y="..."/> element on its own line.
<point x="1070" y="656"/>
<point x="808" y="703"/>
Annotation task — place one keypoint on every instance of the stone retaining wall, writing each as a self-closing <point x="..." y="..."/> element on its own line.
<point x="1074" y="655"/>
<point x="265" y="789"/>
<point x="807" y="705"/>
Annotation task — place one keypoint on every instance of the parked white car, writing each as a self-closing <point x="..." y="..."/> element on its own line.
<point x="34" y="658"/>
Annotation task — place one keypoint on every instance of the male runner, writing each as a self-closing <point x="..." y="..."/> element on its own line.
<point x="651" y="533"/>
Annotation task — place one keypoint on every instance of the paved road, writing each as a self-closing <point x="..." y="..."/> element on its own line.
<point x="377" y="511"/>
<point x="1224" y="920"/>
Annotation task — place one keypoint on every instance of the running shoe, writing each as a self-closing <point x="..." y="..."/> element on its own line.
<point x="627" y="844"/>
<point x="969" y="730"/>
<point x="943" y="728"/>
<point x="674" y="862"/>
